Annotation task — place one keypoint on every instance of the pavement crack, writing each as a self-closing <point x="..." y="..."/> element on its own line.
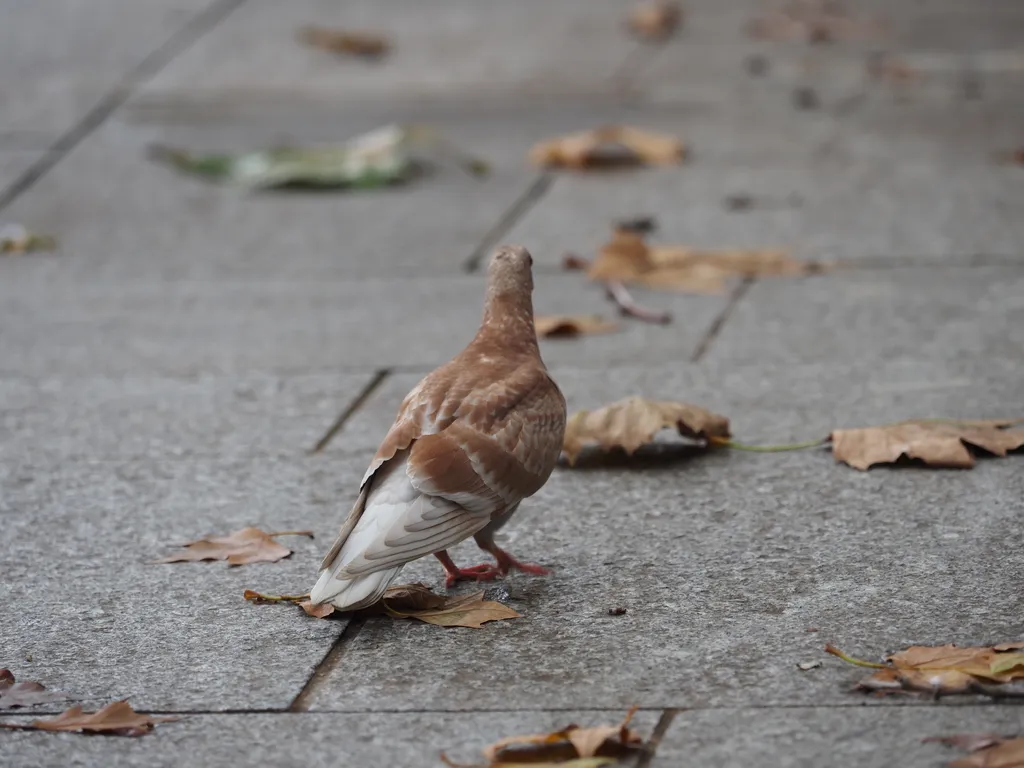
<point x="328" y="664"/>
<point x="178" y="42"/>
<point x="518" y="209"/>
<point x="660" y="729"/>
<point x="350" y="410"/>
<point x="716" y="326"/>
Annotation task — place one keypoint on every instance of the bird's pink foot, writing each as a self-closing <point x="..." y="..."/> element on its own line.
<point x="506" y="563"/>
<point x="454" y="574"/>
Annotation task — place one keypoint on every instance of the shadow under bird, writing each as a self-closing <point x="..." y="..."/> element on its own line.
<point x="470" y="442"/>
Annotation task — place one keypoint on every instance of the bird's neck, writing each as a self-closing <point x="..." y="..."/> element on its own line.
<point x="508" y="322"/>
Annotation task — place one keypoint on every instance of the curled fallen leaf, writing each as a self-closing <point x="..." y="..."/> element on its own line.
<point x="116" y="719"/>
<point x="14" y="238"/>
<point x="341" y="41"/>
<point x="988" y="751"/>
<point x="627" y="257"/>
<point x="411" y="601"/>
<point x="567" y="326"/>
<point x="610" y="145"/>
<point x="248" y="545"/>
<point x="27" y="694"/>
<point x="655" y="20"/>
<point x="947" y="669"/>
<point x="567" y="746"/>
<point x="467" y="611"/>
<point x="937" y="442"/>
<point x="634" y="421"/>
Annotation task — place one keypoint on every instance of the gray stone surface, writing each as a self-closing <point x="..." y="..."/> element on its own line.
<point x="13" y="163"/>
<point x="464" y="47"/>
<point x="299" y="326"/>
<point x="310" y="740"/>
<point x="163" y="375"/>
<point x="61" y="57"/>
<point x="90" y="418"/>
<point x="724" y="561"/>
<point x="942" y="313"/>
<point x="185" y="228"/>
<point x="96" y="617"/>
<point x="850" y="737"/>
<point x="831" y="210"/>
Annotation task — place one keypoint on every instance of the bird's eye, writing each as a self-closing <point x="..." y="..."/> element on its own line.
<point x="529" y="260"/>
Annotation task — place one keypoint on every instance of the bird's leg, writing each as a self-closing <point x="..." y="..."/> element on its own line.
<point x="506" y="562"/>
<point x="454" y="574"/>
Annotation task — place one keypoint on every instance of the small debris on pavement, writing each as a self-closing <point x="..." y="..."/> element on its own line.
<point x="806" y="665"/>
<point x="15" y="238"/>
<point x="347" y="42"/>
<point x="617" y="611"/>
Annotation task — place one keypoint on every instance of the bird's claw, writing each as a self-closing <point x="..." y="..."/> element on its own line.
<point x="483" y="572"/>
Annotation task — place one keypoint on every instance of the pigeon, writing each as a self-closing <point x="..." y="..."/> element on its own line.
<point x="470" y="442"/>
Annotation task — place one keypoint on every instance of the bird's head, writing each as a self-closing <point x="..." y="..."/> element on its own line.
<point x="510" y="273"/>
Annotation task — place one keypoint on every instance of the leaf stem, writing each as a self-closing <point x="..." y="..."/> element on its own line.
<point x="291" y="533"/>
<point x="850" y="660"/>
<point x="737" y="446"/>
<point x="260" y="597"/>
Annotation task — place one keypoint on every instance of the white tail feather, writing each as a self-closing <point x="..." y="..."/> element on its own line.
<point x="351" y="594"/>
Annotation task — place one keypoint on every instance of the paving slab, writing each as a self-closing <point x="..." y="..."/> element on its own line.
<point x="184" y="228"/>
<point x="856" y="737"/>
<point x="724" y="562"/>
<point x="399" y="740"/>
<point x="97" y="618"/>
<point x="60" y="58"/>
<point x="187" y="328"/>
<point x="437" y="48"/>
<point x="13" y="163"/>
<point x="942" y="313"/>
<point x="833" y="209"/>
<point x="59" y="420"/>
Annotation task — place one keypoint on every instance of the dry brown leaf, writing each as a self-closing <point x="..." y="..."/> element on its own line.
<point x="411" y="601"/>
<point x="988" y="751"/>
<point x="249" y="545"/>
<point x="938" y="442"/>
<point x="579" y="762"/>
<point x="467" y="611"/>
<point x="345" y="42"/>
<point x="116" y="719"/>
<point x="567" y="326"/>
<point x="655" y="20"/>
<point x="628" y="257"/>
<point x="633" y="422"/>
<point x="558" y="747"/>
<point x="611" y="145"/>
<point x="947" y="669"/>
<point x="14" y="694"/>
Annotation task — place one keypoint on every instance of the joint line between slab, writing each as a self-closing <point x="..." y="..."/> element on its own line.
<point x="327" y="665"/>
<point x="350" y="410"/>
<point x="660" y="729"/>
<point x="178" y="42"/>
<point x="716" y="326"/>
<point x="537" y="189"/>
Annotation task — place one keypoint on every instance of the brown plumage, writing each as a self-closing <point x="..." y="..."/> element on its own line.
<point x="470" y="442"/>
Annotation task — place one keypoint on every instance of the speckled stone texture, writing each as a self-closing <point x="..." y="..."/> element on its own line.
<point x="165" y="375"/>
